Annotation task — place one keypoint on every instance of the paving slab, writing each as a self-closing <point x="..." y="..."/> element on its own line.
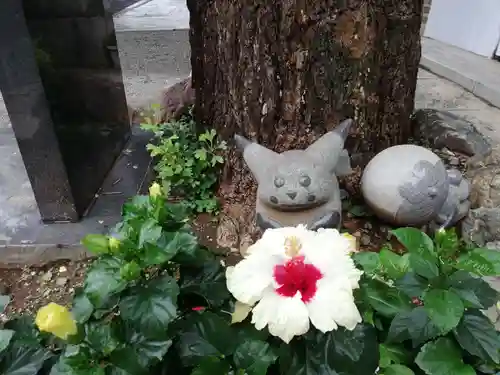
<point x="151" y="15"/>
<point x="436" y="92"/>
<point x="116" y="6"/>
<point x="152" y="61"/>
<point x="477" y="74"/>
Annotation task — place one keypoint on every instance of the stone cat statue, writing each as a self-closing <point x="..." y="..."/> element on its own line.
<point x="409" y="185"/>
<point x="299" y="186"/>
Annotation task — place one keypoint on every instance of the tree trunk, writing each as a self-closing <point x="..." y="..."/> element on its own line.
<point x="284" y="72"/>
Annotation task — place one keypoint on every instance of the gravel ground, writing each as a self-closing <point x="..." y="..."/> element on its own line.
<point x="32" y="287"/>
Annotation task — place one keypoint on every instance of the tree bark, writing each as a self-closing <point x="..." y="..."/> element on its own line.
<point x="284" y="72"/>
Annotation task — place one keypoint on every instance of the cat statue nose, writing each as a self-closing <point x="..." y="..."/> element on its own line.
<point x="292" y="195"/>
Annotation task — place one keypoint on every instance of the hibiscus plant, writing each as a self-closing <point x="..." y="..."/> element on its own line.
<point x="427" y="305"/>
<point x="155" y="301"/>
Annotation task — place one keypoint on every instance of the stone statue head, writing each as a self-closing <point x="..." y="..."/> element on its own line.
<point x="298" y="179"/>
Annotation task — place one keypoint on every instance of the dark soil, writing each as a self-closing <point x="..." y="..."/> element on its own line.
<point x="32" y="287"/>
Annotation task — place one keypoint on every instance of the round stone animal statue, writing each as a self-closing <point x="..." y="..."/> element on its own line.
<point x="409" y="185"/>
<point x="299" y="186"/>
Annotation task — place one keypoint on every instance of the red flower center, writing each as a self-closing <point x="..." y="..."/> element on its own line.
<point x="296" y="276"/>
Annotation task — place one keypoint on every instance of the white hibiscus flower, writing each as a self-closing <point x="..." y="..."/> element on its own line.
<point x="293" y="276"/>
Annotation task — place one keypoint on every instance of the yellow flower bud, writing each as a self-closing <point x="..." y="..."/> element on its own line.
<point x="155" y="190"/>
<point x="353" y="246"/>
<point x="57" y="320"/>
<point x="114" y="243"/>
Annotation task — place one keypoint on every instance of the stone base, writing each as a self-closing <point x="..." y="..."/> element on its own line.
<point x="32" y="242"/>
<point x="325" y="216"/>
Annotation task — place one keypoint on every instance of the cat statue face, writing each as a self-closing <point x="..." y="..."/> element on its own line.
<point x="299" y="179"/>
<point x="293" y="181"/>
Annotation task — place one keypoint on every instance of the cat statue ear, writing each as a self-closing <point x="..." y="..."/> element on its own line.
<point x="257" y="157"/>
<point x="329" y="150"/>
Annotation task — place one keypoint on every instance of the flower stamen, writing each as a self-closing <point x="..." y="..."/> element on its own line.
<point x="292" y="246"/>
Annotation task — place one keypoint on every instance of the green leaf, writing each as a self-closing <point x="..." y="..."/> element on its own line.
<point x="368" y="260"/>
<point x="425" y="264"/>
<point x="20" y="359"/>
<point x="398" y="370"/>
<point x="218" y="159"/>
<point x="358" y="211"/>
<point x="474" y="291"/>
<point x="415" y="325"/>
<point x="196" y="259"/>
<point x="76" y="360"/>
<point x="412" y="285"/>
<point x="201" y="154"/>
<point x="130" y="271"/>
<point x="478" y="336"/>
<point x="151" y="307"/>
<point x="96" y="243"/>
<point x="99" y="336"/>
<point x="168" y="246"/>
<point x="61" y="368"/>
<point x="82" y="307"/>
<point x="205" y="335"/>
<point x="103" y="280"/>
<point x="447" y="242"/>
<point x="150" y="233"/>
<point x="246" y="331"/>
<point x="384" y="299"/>
<point x="25" y="331"/>
<point x="391" y="354"/>
<point x="5" y="337"/>
<point x="337" y="352"/>
<point x="208" y="282"/>
<point x="481" y="262"/>
<point x="185" y="243"/>
<point x="212" y="366"/>
<point x="136" y="206"/>
<point x="422" y="328"/>
<point x="254" y="356"/>
<point x="392" y="263"/>
<point x="398" y="330"/>
<point x="137" y="352"/>
<point x="491" y="255"/>
<point x="445" y="308"/>
<point x="4" y="301"/>
<point x="442" y="357"/>
<point x="414" y="240"/>
<point x="423" y="259"/>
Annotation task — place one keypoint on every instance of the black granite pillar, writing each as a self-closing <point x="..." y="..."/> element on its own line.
<point x="62" y="85"/>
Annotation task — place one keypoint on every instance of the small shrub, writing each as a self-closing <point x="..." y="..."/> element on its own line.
<point x="156" y="302"/>
<point x="426" y="305"/>
<point x="187" y="162"/>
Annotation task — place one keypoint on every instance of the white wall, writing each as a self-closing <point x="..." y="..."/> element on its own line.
<point x="473" y="25"/>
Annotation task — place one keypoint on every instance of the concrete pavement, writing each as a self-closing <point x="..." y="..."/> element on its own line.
<point x="149" y="15"/>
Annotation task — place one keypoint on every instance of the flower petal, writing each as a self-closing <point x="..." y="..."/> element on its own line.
<point x="240" y="312"/>
<point x="285" y="317"/>
<point x="57" y="320"/>
<point x="333" y="305"/>
<point x="273" y="240"/>
<point x="247" y="280"/>
<point x="330" y="253"/>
